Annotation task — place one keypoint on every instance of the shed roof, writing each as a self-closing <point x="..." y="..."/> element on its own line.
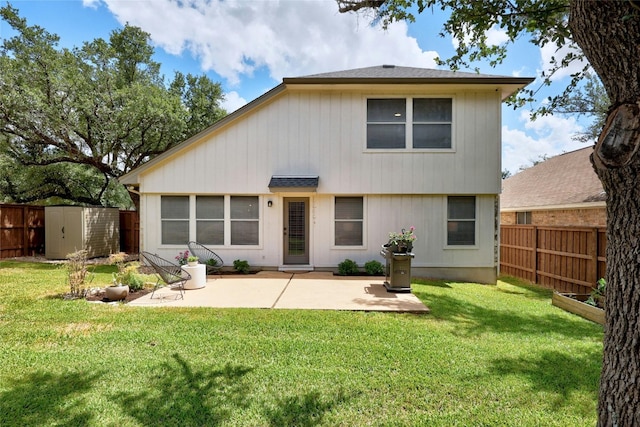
<point x="563" y="180"/>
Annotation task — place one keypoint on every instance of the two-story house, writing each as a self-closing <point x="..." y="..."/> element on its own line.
<point x="322" y="167"/>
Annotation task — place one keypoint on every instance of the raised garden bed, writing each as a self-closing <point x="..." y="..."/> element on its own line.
<point x="574" y="303"/>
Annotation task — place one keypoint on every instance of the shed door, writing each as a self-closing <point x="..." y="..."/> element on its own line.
<point x="296" y="230"/>
<point x="54" y="224"/>
<point x="73" y="230"/>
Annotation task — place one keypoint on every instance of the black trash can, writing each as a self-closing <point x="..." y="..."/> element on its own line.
<point x="397" y="270"/>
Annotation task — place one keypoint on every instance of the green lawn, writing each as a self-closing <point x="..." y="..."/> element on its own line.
<point x="485" y="356"/>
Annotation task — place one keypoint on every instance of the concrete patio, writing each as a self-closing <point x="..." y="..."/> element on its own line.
<point x="283" y="290"/>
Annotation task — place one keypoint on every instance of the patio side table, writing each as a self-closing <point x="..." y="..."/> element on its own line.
<point x="198" y="276"/>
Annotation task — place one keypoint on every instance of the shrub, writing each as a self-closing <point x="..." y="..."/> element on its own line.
<point x="131" y="277"/>
<point x="347" y="268"/>
<point x="373" y="268"/>
<point x="241" y="266"/>
<point x="77" y="273"/>
<point x="597" y="294"/>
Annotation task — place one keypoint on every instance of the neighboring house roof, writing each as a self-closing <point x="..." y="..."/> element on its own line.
<point x="383" y="74"/>
<point x="566" y="180"/>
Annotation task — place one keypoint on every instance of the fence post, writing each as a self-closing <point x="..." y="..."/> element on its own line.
<point x="592" y="275"/>
<point x="534" y="253"/>
<point x="25" y="231"/>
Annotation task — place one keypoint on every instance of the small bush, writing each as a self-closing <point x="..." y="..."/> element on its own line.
<point x="348" y="268"/>
<point x="241" y="265"/>
<point x="373" y="268"/>
<point x="131" y="277"/>
<point x="77" y="273"/>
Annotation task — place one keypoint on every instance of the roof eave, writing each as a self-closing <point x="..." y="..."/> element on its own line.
<point x="409" y="80"/>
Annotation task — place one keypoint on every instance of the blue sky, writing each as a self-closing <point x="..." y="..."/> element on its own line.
<point x="250" y="45"/>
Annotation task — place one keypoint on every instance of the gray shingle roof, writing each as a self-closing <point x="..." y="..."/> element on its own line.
<point x="394" y="73"/>
<point x="293" y="181"/>
<point x="565" y="179"/>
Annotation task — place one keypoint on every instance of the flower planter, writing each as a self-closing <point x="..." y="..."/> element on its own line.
<point x="192" y="263"/>
<point x="574" y="303"/>
<point x="116" y="293"/>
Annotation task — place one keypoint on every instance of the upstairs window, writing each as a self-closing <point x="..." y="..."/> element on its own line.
<point x="432" y="123"/>
<point x="412" y="123"/>
<point x="386" y="123"/>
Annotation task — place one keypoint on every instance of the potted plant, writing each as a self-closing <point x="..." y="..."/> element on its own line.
<point x="192" y="260"/>
<point x="402" y="242"/>
<point x="182" y="257"/>
<point x="118" y="290"/>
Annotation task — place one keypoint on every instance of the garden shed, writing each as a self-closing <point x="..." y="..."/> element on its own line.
<point x="72" y="228"/>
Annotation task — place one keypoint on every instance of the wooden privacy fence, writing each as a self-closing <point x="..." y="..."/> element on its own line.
<point x="129" y="232"/>
<point x="22" y="231"/>
<point x="567" y="259"/>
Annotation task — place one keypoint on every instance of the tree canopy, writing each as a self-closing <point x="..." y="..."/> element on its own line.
<point x="73" y="120"/>
<point x="606" y="34"/>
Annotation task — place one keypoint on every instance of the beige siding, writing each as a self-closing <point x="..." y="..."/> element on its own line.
<point x="324" y="133"/>
<point x="383" y="213"/>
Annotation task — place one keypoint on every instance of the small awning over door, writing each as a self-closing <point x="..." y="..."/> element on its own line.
<point x="291" y="183"/>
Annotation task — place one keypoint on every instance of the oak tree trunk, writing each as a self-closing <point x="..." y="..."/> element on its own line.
<point x="608" y="32"/>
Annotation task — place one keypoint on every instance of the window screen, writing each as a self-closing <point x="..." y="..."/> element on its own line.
<point x="210" y="220"/>
<point x="461" y="220"/>
<point x="245" y="215"/>
<point x="348" y="221"/>
<point x="386" y="120"/>
<point x="174" y="214"/>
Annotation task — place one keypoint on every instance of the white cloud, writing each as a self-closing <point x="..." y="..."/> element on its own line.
<point x="546" y="136"/>
<point x="496" y="36"/>
<point x="550" y="51"/>
<point x="233" y="101"/>
<point x="289" y="38"/>
<point x="91" y="3"/>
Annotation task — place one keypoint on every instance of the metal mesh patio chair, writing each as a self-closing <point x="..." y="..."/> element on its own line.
<point x="168" y="272"/>
<point x="206" y="256"/>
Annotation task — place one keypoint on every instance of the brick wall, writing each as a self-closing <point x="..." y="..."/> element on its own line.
<point x="595" y="217"/>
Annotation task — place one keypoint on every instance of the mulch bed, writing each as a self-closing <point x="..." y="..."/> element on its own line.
<point x="99" y="296"/>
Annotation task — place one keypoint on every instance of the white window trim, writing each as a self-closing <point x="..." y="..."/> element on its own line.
<point x="446" y="223"/>
<point x="409" y="125"/>
<point x="333" y="223"/>
<point x="227" y="222"/>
